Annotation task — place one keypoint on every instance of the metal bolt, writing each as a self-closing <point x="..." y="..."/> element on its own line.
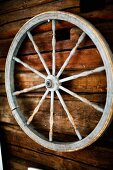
<point x="48" y="84"/>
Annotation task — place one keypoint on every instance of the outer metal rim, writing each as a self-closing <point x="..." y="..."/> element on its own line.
<point x="107" y="60"/>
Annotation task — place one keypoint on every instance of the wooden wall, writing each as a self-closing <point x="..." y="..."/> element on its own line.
<point x="20" y="151"/>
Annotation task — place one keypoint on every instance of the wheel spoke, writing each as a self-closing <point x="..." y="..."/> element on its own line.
<point x="81" y="38"/>
<point x="83" y="74"/>
<point x="28" y="89"/>
<point x="53" y="45"/>
<point x="38" y="52"/>
<point x="69" y="115"/>
<point x="51" y="116"/>
<point x="98" y="108"/>
<point x="29" y="67"/>
<point x="37" y="108"/>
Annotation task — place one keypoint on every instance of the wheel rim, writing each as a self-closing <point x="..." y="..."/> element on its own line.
<point x="52" y="81"/>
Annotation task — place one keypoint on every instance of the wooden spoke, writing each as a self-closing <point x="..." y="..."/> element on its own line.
<point x="37" y="108"/>
<point x="82" y="99"/>
<point x="81" y="38"/>
<point x="28" y="89"/>
<point x="29" y="67"/>
<point x="53" y="45"/>
<point x="69" y="115"/>
<point x="83" y="74"/>
<point x="38" y="52"/>
<point x="51" y="116"/>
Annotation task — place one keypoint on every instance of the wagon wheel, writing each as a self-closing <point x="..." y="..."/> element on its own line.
<point x="53" y="82"/>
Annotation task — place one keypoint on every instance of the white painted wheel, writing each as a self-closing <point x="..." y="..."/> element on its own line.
<point x="53" y="82"/>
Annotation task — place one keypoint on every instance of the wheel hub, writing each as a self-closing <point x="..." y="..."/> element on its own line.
<point x="52" y="83"/>
<point x="49" y="83"/>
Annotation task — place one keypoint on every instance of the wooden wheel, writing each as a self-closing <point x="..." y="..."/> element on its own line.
<point x="56" y="85"/>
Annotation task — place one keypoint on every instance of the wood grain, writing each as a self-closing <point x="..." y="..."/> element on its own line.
<point x="87" y="156"/>
<point x="95" y="17"/>
<point x="32" y="11"/>
<point x="45" y="44"/>
<point x="15" y="26"/>
<point x="16" y="163"/>
<point x="21" y="150"/>
<point x="61" y="122"/>
<point x="93" y="83"/>
<point x="81" y="60"/>
<point x="53" y="161"/>
<point x="12" y="6"/>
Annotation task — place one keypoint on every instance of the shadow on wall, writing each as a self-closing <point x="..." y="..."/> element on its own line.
<point x="91" y="5"/>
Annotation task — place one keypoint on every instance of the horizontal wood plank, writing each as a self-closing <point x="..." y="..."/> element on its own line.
<point x="82" y="60"/>
<point x="45" y="44"/>
<point x="95" y="17"/>
<point x="51" y="161"/>
<point x="61" y="122"/>
<point x="15" y="26"/>
<point x="95" y="83"/>
<point x="12" y="5"/>
<point x="32" y="11"/>
<point x="2" y="90"/>
<point x="21" y="150"/>
<point x="88" y="155"/>
<point x="17" y="163"/>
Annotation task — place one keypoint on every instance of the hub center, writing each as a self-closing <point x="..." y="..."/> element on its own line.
<point x="48" y="83"/>
<point x="52" y="83"/>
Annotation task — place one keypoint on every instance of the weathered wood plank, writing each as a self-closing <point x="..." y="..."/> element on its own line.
<point x="81" y="60"/>
<point x="105" y="30"/>
<point x="95" y="83"/>
<point x="32" y="11"/>
<point x="2" y="78"/>
<point x="2" y="64"/>
<point x="2" y="90"/>
<point x="90" y="84"/>
<point x="12" y="5"/>
<point x="105" y="14"/>
<point x="5" y="32"/>
<point x="94" y="16"/>
<point x="76" y="108"/>
<point x="15" y="26"/>
<point x="99" y="154"/>
<point x="27" y="105"/>
<point x="16" y="163"/>
<point x="45" y="44"/>
<point x="4" y="45"/>
<point x="93" y="155"/>
<point x="52" y="161"/>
